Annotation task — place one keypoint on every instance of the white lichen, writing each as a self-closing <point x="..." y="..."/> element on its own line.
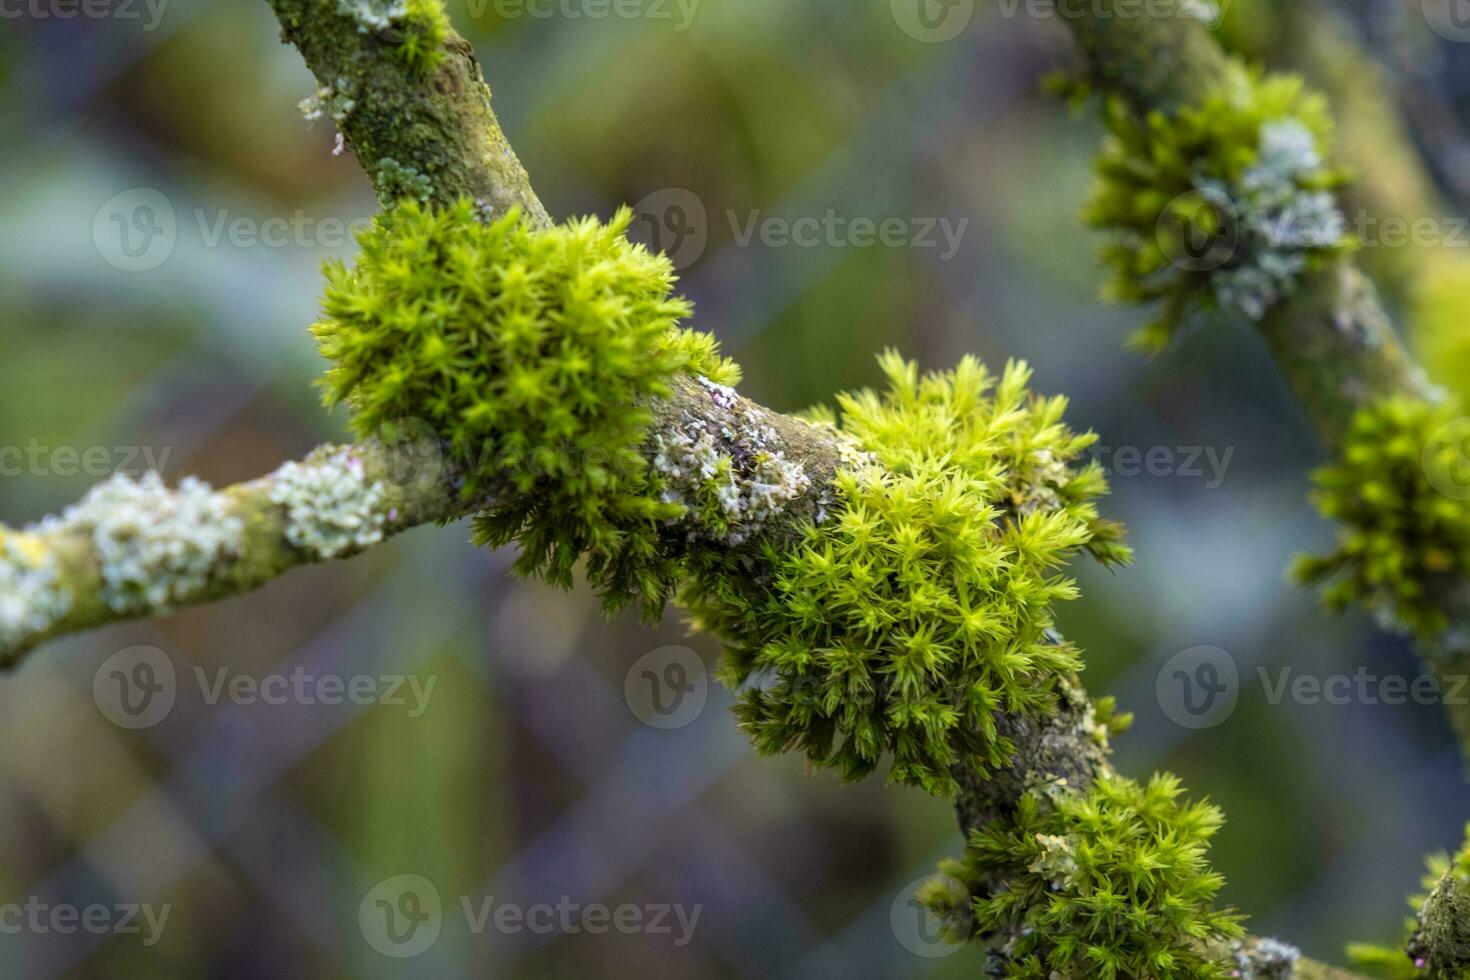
<point x="724" y="471"/>
<point x="332" y="509"/>
<point x="32" y="596"/>
<point x="1265" y="959"/>
<point x="156" y="547"/>
<point x="1278" y="221"/>
<point x="374" y="16"/>
<point x="722" y="395"/>
<point x="331" y="101"/>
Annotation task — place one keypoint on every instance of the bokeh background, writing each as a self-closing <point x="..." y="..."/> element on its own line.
<point x="527" y="777"/>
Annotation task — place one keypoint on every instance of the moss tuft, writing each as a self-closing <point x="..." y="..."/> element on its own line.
<point x="919" y="608"/>
<point x="1222" y="207"/>
<point x="1111" y="883"/>
<point x="535" y="355"/>
<point x="1399" y="492"/>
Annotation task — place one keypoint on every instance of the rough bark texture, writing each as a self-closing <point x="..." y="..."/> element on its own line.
<point x="1332" y="340"/>
<point x="1442" y="941"/>
<point x="440" y="126"/>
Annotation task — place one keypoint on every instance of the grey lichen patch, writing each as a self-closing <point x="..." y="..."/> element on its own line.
<point x="1264" y="959"/>
<point x="32" y="594"/>
<point x="1280" y="224"/>
<point x="724" y="468"/>
<point x="332" y="508"/>
<point x="155" y="547"/>
<point x="333" y="101"/>
<point x="374" y="16"/>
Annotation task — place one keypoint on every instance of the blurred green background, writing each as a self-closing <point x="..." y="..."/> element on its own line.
<point x="263" y="828"/>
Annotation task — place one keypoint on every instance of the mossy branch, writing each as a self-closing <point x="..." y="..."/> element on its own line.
<point x="1332" y="339"/>
<point x="134" y="550"/>
<point x="421" y="123"/>
<point x="1325" y="326"/>
<point x="421" y="127"/>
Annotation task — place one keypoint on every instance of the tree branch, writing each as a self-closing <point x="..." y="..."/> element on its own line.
<point x="1331" y="339"/>
<point x="341" y="500"/>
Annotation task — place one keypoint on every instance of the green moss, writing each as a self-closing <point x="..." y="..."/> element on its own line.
<point x="1221" y="206"/>
<point x="416" y="28"/>
<point x="1404" y="538"/>
<point x="920" y="607"/>
<point x="425" y="29"/>
<point x="394" y="182"/>
<point x="1111" y="883"/>
<point x="534" y="355"/>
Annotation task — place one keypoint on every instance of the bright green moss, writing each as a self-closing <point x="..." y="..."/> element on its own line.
<point x="920" y="607"/>
<point x="1403" y="536"/>
<point x="425" y="29"/>
<point x="534" y="355"/>
<point x="1220" y="208"/>
<point x="1109" y="884"/>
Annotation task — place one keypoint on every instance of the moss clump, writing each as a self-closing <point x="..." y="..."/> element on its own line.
<point x="921" y="606"/>
<point x="534" y="355"/>
<point x="425" y="28"/>
<point x="1112" y="883"/>
<point x="1404" y="538"/>
<point x="1221" y="207"/>
<point x="1436" y="945"/>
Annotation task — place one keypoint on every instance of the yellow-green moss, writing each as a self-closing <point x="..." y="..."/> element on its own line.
<point x="1404" y="530"/>
<point x="919" y="609"/>
<point x="534" y="356"/>
<point x="1222" y="205"/>
<point x="1111" y="884"/>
